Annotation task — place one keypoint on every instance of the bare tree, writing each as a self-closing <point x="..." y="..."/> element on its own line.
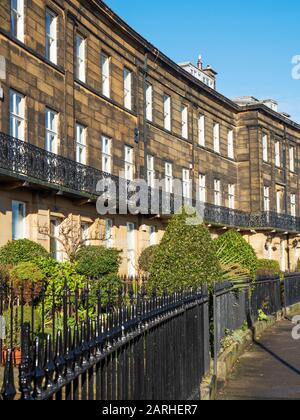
<point x="71" y="237"/>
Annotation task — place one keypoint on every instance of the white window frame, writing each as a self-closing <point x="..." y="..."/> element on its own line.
<point x="217" y="193"/>
<point x="127" y="74"/>
<point x="184" y="122"/>
<point x="201" y="130"/>
<point x="293" y="205"/>
<point x="186" y="183"/>
<point x="51" y="36"/>
<point x="278" y="201"/>
<point x="292" y="158"/>
<point x="169" y="177"/>
<point x="265" y="142"/>
<point x="131" y="249"/>
<point x="167" y="113"/>
<point x="231" y="144"/>
<point x="150" y="171"/>
<point x="202" y="188"/>
<point x="105" y="74"/>
<point x="17" y="13"/>
<point x="267" y="199"/>
<point x="216" y="133"/>
<point x="277" y="154"/>
<point x="282" y="255"/>
<point x="231" y="196"/>
<point x="80" y="47"/>
<point x="57" y="252"/>
<point x="108" y="233"/>
<point x="17" y="115"/>
<point x="51" y="131"/>
<point x="152" y="236"/>
<point x="149" y="102"/>
<point x="129" y="164"/>
<point x="106" y="154"/>
<point x="80" y="144"/>
<point x="85" y="233"/>
<point x="20" y="231"/>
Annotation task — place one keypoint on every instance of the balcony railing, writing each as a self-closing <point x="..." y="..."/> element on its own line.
<point x="24" y="161"/>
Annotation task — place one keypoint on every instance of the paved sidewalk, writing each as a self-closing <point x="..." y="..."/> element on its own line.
<point x="270" y="370"/>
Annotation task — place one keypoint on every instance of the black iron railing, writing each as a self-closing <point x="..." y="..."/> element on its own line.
<point x="240" y="305"/>
<point x="27" y="162"/>
<point x="125" y="344"/>
<point x="118" y="345"/>
<point x="291" y="289"/>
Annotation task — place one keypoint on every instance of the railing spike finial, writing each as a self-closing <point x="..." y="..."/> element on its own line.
<point x="92" y="342"/>
<point x="84" y="345"/>
<point x="59" y="359"/>
<point x="39" y="373"/>
<point x="8" y="391"/>
<point x="77" y="349"/>
<point x="25" y="370"/>
<point x="49" y="363"/>
<point x="69" y="357"/>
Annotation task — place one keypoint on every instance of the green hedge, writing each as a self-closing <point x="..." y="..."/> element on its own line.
<point x="94" y="262"/>
<point x="186" y="256"/>
<point x="4" y="275"/>
<point x="232" y="246"/>
<point x="16" y="252"/>
<point x="146" y="259"/>
<point x="268" y="268"/>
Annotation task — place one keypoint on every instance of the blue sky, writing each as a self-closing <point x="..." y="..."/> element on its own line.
<point x="250" y="44"/>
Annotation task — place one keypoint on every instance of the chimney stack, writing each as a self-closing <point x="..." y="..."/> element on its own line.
<point x="200" y="63"/>
<point x="210" y="72"/>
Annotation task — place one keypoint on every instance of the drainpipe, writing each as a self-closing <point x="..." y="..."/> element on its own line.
<point x="285" y="180"/>
<point x="145" y="129"/>
<point x="288" y="252"/>
<point x="285" y="172"/>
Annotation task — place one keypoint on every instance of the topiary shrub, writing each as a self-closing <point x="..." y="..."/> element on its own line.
<point x="233" y="247"/>
<point x="23" y="250"/>
<point x="108" y="287"/>
<point x="186" y="256"/>
<point x="101" y="265"/>
<point x="268" y="268"/>
<point x="94" y="262"/>
<point x="146" y="258"/>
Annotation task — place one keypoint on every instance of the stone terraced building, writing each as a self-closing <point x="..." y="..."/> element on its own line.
<point x="84" y="97"/>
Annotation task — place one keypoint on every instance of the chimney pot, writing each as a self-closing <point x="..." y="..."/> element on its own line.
<point x="200" y="62"/>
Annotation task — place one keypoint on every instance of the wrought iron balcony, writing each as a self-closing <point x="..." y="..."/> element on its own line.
<point x="273" y="220"/>
<point x="23" y="161"/>
<point x="33" y="164"/>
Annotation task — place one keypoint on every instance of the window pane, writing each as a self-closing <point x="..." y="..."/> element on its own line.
<point x="80" y="57"/>
<point x="105" y="75"/>
<point x="17" y="115"/>
<point x="51" y="36"/>
<point x="18" y="220"/>
<point x="149" y="102"/>
<point x="127" y="89"/>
